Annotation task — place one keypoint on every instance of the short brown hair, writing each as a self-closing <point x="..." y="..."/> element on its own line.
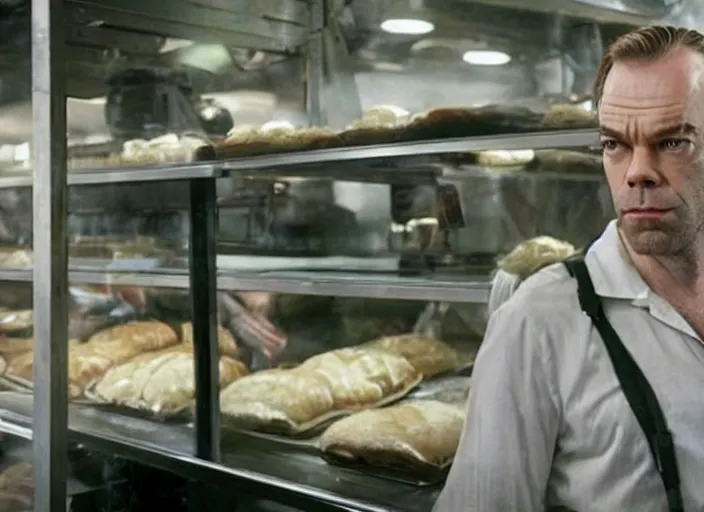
<point x="647" y="43"/>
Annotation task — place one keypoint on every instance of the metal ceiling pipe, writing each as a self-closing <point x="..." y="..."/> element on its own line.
<point x="631" y="12"/>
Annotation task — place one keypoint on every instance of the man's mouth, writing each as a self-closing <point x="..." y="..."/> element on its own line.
<point x="645" y="213"/>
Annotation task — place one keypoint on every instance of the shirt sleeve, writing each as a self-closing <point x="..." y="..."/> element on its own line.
<point x="505" y="453"/>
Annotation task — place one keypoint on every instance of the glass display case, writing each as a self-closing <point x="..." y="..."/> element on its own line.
<point x="254" y="246"/>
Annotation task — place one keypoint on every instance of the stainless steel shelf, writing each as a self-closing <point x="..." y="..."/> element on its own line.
<point x="339" y="284"/>
<point x="126" y="175"/>
<point x="412" y="151"/>
<point x="270" y="25"/>
<point x="292" y="477"/>
<point x="364" y="285"/>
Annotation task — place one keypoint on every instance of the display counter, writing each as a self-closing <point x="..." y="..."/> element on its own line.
<point x="262" y="238"/>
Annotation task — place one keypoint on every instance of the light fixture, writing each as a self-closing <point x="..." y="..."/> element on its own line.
<point x="412" y="27"/>
<point x="486" y="58"/>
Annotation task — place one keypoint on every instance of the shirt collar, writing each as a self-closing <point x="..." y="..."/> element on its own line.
<point x="610" y="267"/>
<point x="615" y="277"/>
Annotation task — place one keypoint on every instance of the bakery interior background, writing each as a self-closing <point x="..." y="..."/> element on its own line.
<point x="551" y="50"/>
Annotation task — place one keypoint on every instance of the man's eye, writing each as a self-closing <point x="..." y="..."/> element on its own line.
<point x="609" y="145"/>
<point x="673" y="144"/>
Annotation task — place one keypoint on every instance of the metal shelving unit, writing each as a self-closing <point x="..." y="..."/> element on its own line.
<point x="289" y="476"/>
<point x="196" y="451"/>
<point x="340" y="284"/>
<point x="409" y="156"/>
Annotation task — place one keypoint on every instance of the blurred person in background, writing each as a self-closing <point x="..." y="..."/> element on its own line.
<point x="586" y="393"/>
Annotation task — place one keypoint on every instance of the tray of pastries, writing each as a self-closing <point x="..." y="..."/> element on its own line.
<point x="14" y="322"/>
<point x="17" y="488"/>
<point x="386" y="124"/>
<point x="299" y="401"/>
<point x="91" y="359"/>
<point x="158" y="385"/>
<point x="427" y="355"/>
<point x="413" y="442"/>
<point x="166" y="149"/>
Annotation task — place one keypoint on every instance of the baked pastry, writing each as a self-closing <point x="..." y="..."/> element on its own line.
<point x="279" y="401"/>
<point x="226" y="343"/>
<point x="81" y="369"/>
<point x="142" y="336"/>
<point x="291" y="401"/>
<point x="361" y="378"/>
<point x="427" y="355"/>
<point x="381" y="116"/>
<point x="534" y="254"/>
<point x="89" y="361"/>
<point x="406" y="436"/>
<point x="568" y="116"/>
<point x="160" y="382"/>
<point x="17" y="488"/>
<point x="274" y="137"/>
<point x="16" y="320"/>
<point x="13" y="347"/>
<point x="503" y="158"/>
<point x="566" y="162"/>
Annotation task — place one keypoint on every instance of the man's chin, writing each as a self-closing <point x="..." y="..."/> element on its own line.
<point x="650" y="242"/>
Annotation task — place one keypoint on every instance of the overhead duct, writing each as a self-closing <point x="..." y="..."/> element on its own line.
<point x="633" y="12"/>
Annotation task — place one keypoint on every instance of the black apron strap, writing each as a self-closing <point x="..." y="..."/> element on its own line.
<point x="635" y="386"/>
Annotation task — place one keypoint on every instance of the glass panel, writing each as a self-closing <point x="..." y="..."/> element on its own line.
<point x="346" y="404"/>
<point x="476" y="208"/>
<point x="16" y="313"/>
<point x="16" y="474"/>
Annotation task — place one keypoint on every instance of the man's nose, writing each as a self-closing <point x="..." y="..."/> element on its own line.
<point x="643" y="170"/>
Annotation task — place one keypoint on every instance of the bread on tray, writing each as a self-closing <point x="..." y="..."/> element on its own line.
<point x="427" y="355"/>
<point x="16" y="320"/>
<point x="564" y="117"/>
<point x="358" y="378"/>
<point x="411" y="435"/>
<point x="329" y="385"/>
<point x="17" y="488"/>
<point x="161" y="383"/>
<point x="90" y="360"/>
<point x="276" y="401"/>
<point x="226" y="342"/>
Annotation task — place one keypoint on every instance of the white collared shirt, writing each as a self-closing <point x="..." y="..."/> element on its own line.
<point x="548" y="423"/>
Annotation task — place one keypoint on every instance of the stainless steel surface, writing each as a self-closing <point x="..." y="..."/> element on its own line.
<point x="341" y="97"/>
<point x="315" y="64"/>
<point x="411" y="172"/>
<point x="341" y="284"/>
<point x="301" y="480"/>
<point x="543" y="140"/>
<point x="204" y="307"/>
<point x="50" y="297"/>
<point x="636" y="12"/>
<point x="131" y="175"/>
<point x="272" y="25"/>
<point x="448" y="289"/>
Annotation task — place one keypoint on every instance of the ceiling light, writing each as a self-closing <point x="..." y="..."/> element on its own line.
<point x="486" y="58"/>
<point x="407" y="26"/>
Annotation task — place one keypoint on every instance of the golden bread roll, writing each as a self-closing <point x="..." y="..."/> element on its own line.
<point x="160" y="382"/>
<point x="276" y="400"/>
<point x="359" y="378"/>
<point x="226" y="342"/>
<point x="427" y="355"/>
<point x="400" y="436"/>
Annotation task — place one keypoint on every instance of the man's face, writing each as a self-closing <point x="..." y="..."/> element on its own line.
<point x="652" y="132"/>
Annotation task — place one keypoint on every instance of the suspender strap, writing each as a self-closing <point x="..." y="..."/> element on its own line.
<point x="635" y="386"/>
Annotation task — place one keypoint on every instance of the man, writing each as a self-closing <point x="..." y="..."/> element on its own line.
<point x="548" y="423"/>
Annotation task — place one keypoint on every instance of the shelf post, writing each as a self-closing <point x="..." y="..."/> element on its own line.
<point x="50" y="278"/>
<point x="202" y="274"/>
<point x="315" y="65"/>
